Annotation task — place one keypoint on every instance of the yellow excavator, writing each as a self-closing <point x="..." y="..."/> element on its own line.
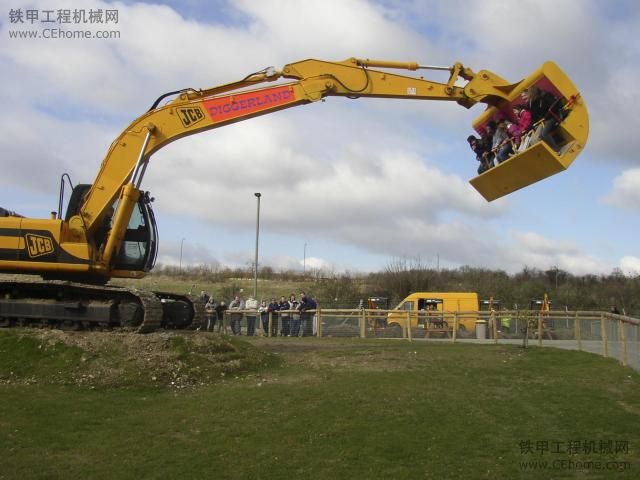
<point x="109" y="229"/>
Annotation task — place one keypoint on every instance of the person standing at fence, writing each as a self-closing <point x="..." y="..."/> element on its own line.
<point x="210" y="314"/>
<point x="263" y="311"/>
<point x="273" y="310"/>
<point x="306" y="316"/>
<point x="251" y="304"/>
<point x="285" y="317"/>
<point x="204" y="297"/>
<point x="236" y="307"/>
<point x="220" y="309"/>
<point x="295" y="317"/>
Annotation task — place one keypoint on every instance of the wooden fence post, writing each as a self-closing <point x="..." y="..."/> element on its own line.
<point x="603" y="335"/>
<point x="540" y="329"/>
<point x="270" y="323"/>
<point x="623" y="339"/>
<point x="494" y="327"/>
<point x="362" y="324"/>
<point x="578" y="329"/>
<point x="409" y="326"/>
<point x="455" y="327"/>
<point x="319" y="320"/>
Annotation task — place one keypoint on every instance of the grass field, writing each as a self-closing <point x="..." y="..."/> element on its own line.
<point x="310" y="408"/>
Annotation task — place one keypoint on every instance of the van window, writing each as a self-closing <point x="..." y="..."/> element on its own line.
<point x="429" y="304"/>
<point x="407" y="306"/>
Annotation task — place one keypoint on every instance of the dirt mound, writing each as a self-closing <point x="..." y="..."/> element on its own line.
<point x="172" y="359"/>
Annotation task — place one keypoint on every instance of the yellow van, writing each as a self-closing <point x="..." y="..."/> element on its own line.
<point x="436" y="307"/>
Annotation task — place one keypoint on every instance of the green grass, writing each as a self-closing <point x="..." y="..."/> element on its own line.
<point x="22" y="356"/>
<point x="321" y="408"/>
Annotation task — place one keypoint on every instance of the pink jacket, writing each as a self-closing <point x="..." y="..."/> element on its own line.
<point x="517" y="129"/>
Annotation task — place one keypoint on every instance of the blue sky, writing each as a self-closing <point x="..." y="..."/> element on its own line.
<point x="360" y="182"/>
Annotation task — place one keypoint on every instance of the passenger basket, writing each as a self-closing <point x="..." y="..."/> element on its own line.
<point x="538" y="161"/>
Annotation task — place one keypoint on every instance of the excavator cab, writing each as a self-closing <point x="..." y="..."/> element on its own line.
<point x="140" y="246"/>
<point x="534" y="160"/>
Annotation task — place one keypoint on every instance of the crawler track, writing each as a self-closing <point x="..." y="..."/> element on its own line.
<point x="76" y="306"/>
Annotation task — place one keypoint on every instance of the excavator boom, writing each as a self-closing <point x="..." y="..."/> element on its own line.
<point x="109" y="229"/>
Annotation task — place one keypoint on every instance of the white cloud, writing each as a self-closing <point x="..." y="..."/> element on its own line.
<point x="630" y="265"/>
<point x="353" y="174"/>
<point x="314" y="263"/>
<point x="388" y="201"/>
<point x="626" y="191"/>
<point x="187" y="253"/>
<point x="329" y="28"/>
<point x="535" y="250"/>
<point x="159" y="50"/>
<point x="37" y="142"/>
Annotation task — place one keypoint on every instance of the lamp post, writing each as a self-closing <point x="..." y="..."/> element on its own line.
<point x="255" y="271"/>
<point x="181" y="245"/>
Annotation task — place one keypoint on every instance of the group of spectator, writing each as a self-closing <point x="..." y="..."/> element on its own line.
<point x="535" y="118"/>
<point x="290" y="317"/>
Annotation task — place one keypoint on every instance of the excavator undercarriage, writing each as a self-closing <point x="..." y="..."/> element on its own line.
<point x="79" y="306"/>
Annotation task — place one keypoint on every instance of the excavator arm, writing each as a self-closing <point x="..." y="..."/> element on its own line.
<point x="74" y="242"/>
<point x="193" y="111"/>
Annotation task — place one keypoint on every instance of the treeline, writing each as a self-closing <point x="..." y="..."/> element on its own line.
<point x="586" y="292"/>
<point x="402" y="277"/>
<point x="218" y="273"/>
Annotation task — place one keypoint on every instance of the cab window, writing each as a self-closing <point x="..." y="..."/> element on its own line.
<point x="134" y="247"/>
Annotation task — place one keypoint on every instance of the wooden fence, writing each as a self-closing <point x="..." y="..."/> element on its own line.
<point x="610" y="335"/>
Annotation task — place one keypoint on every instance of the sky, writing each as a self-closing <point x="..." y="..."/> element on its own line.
<point x="347" y="185"/>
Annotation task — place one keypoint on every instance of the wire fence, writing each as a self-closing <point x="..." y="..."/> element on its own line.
<point x="603" y="333"/>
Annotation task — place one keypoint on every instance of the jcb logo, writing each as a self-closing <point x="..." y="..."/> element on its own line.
<point x="190" y="116"/>
<point x="38" y="246"/>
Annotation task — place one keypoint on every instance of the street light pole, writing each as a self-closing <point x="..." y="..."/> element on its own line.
<point x="181" y="245"/>
<point x="255" y="271"/>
